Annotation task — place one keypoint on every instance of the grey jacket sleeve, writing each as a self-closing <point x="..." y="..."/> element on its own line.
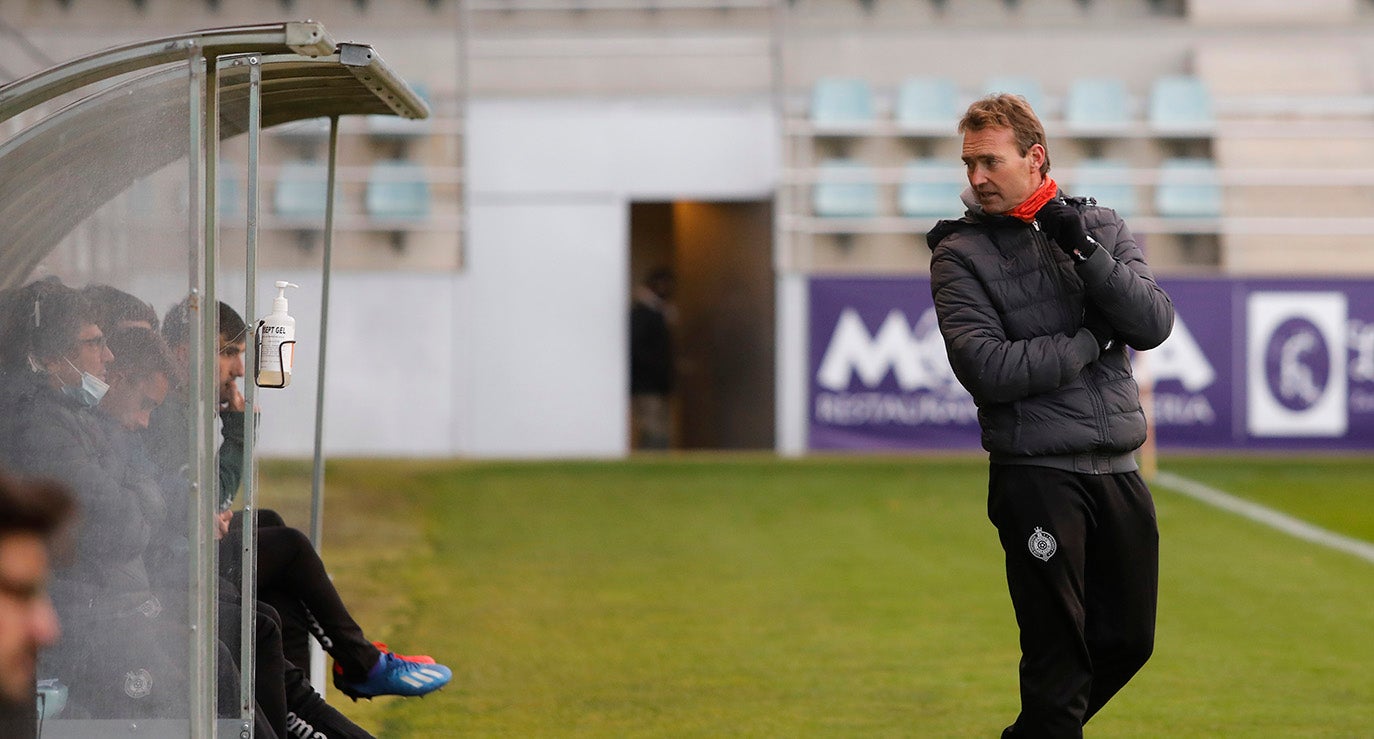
<point x="993" y="368"/>
<point x="1122" y="287"/>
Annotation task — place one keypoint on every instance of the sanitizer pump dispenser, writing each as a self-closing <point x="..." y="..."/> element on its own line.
<point x="275" y="343"/>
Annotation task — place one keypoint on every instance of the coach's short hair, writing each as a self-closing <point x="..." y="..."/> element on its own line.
<point x="1005" y="110"/>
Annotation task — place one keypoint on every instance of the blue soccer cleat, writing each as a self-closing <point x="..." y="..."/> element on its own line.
<point x="395" y="676"/>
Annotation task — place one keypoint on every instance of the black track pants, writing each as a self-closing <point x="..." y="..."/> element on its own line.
<point x="292" y="579"/>
<point x="1082" y="557"/>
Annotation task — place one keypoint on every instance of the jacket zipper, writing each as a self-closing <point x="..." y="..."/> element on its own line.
<point x="1047" y="257"/>
<point x="1094" y="395"/>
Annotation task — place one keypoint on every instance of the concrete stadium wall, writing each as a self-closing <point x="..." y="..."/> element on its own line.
<point x="523" y="353"/>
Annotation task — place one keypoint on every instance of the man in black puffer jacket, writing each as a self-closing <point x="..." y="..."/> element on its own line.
<point x="1038" y="296"/>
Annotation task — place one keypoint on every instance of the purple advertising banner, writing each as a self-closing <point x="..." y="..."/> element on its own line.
<point x="1251" y="364"/>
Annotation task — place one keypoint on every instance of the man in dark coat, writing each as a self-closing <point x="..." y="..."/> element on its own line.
<point x="1038" y="297"/>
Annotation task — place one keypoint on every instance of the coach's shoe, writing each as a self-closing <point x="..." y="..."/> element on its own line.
<point x="395" y="676"/>
<point x="421" y="658"/>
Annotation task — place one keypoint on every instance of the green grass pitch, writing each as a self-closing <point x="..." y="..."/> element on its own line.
<point x="838" y="597"/>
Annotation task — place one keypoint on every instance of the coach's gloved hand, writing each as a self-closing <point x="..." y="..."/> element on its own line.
<point x="1064" y="224"/>
<point x="1094" y="321"/>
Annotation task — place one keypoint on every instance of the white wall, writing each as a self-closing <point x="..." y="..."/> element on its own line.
<point x="544" y="297"/>
<point x="543" y="309"/>
<point x="391" y="370"/>
<point x="523" y="353"/>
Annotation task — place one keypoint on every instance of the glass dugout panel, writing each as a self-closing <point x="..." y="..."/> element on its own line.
<point x="103" y="348"/>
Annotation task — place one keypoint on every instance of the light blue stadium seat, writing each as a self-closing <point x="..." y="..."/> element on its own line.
<point x="841" y="101"/>
<point x="1188" y="188"/>
<point x="397" y="190"/>
<point x="228" y="190"/>
<point x="1105" y="180"/>
<point x="1027" y="87"/>
<point x="1098" y="104"/>
<point x="301" y="190"/>
<point x="841" y="190"/>
<point x="1181" y="104"/>
<point x="930" y="189"/>
<point x="928" y="103"/>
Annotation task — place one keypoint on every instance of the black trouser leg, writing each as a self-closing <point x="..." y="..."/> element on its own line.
<point x="295" y="627"/>
<point x="293" y="580"/>
<point x="269" y="668"/>
<point x="310" y="716"/>
<point x="1082" y="570"/>
<point x="293" y="618"/>
<point x="1033" y="504"/>
<point x="1123" y="586"/>
<point x="227" y="694"/>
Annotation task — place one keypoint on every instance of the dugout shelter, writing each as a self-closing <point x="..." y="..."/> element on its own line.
<point x="114" y="176"/>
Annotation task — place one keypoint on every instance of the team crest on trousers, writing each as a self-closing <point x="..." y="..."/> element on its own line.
<point x="138" y="683"/>
<point x="1042" y="545"/>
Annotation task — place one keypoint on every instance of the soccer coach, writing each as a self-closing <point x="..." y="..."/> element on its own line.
<point x="1037" y="297"/>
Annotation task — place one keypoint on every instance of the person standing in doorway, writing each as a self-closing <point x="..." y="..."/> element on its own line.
<point x="1038" y="297"/>
<point x="651" y="360"/>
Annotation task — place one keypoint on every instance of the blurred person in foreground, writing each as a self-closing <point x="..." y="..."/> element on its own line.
<point x="31" y="516"/>
<point x="1038" y="296"/>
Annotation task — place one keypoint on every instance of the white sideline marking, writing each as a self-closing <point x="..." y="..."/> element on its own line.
<point x="1267" y="516"/>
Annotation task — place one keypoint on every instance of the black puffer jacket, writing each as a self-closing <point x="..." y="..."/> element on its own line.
<point x="1011" y="309"/>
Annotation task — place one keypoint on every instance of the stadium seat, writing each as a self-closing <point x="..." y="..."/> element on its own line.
<point x="1027" y="87"/>
<point x="840" y="102"/>
<point x="930" y="189"/>
<point x="301" y="190"/>
<point x="228" y="191"/>
<point x="1188" y="188"/>
<point x="928" y="104"/>
<point x="397" y="190"/>
<point x="1097" y="105"/>
<point x="1107" y="181"/>
<point x="1181" y="104"/>
<point x="841" y="190"/>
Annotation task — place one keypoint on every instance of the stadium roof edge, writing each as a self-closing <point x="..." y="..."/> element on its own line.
<point x="49" y="187"/>
<point x="306" y="38"/>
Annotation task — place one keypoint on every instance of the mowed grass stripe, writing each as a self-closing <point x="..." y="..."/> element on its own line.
<point x="756" y="597"/>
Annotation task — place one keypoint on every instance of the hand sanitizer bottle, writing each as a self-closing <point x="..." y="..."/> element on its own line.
<point x="276" y="343"/>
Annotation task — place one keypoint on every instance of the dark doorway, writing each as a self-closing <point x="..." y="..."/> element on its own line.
<point x="723" y="331"/>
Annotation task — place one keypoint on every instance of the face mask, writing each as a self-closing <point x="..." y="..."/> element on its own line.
<point x="89" y="392"/>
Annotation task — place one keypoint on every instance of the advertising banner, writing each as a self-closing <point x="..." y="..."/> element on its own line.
<point x="1251" y="364"/>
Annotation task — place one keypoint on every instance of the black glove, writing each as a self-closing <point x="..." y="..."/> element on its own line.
<point x="1094" y="321"/>
<point x="1064" y="224"/>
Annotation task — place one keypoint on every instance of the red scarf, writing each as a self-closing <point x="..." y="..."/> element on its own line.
<point x="1030" y="206"/>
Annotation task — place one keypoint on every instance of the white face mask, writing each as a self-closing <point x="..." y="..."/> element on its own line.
<point x="89" y="392"/>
